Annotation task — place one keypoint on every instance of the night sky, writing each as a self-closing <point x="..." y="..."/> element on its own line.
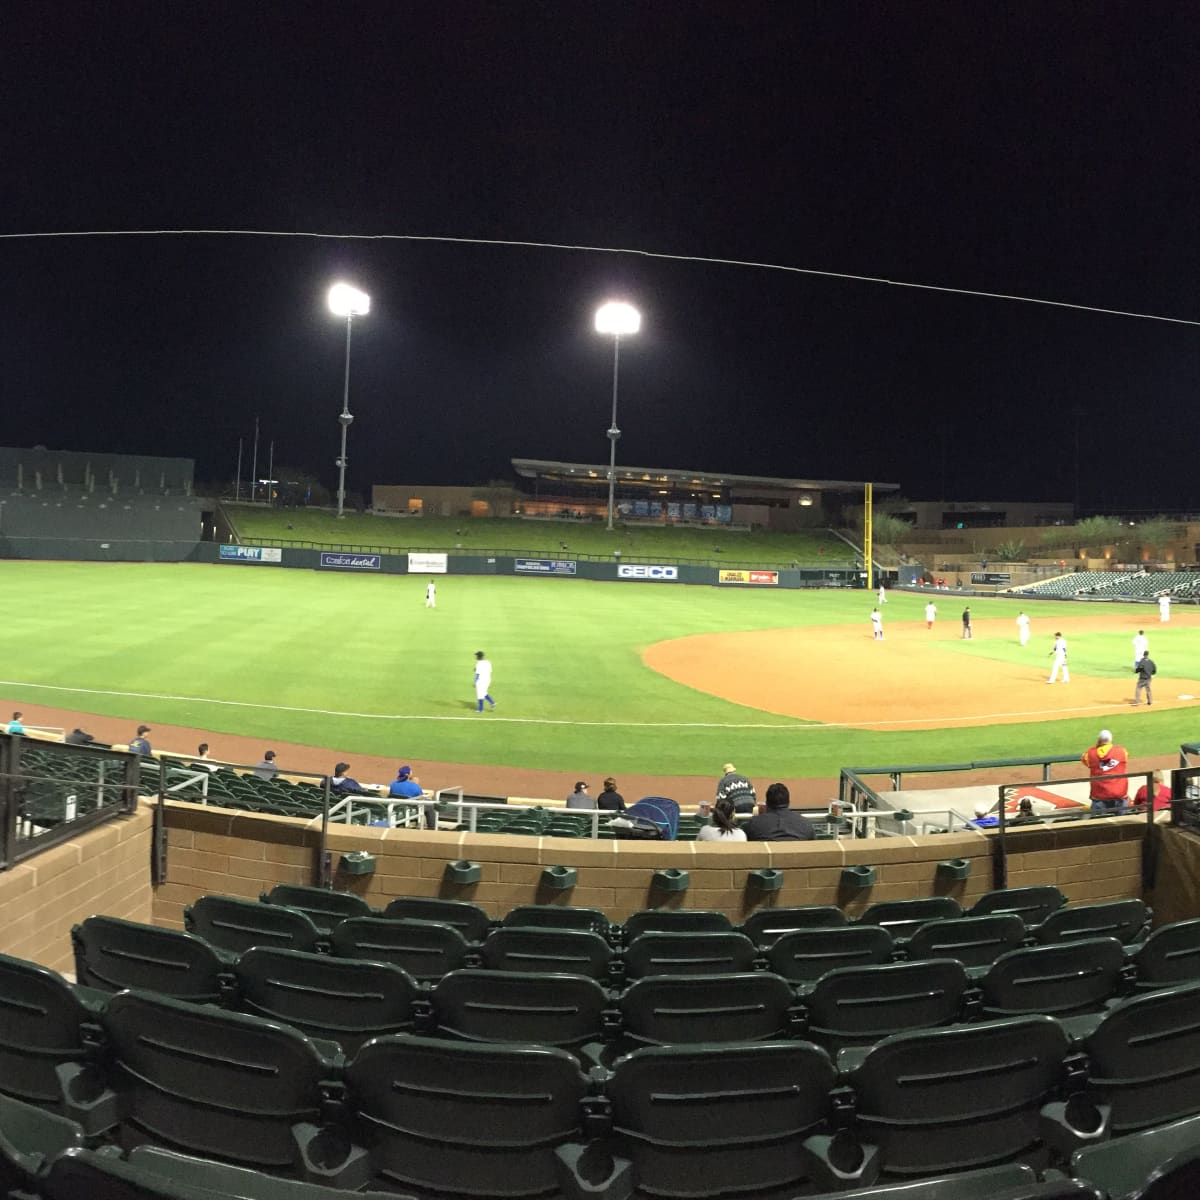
<point x="1043" y="149"/>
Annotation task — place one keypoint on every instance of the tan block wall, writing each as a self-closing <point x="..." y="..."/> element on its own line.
<point x="106" y="870"/>
<point x="1089" y="861"/>
<point x="213" y="850"/>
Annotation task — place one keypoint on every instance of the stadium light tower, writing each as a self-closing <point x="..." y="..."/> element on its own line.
<point x="349" y="302"/>
<point x="617" y="318"/>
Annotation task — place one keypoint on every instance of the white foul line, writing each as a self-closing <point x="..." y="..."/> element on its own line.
<point x="807" y="727"/>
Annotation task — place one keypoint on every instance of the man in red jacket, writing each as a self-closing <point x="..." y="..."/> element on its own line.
<point x="1103" y="761"/>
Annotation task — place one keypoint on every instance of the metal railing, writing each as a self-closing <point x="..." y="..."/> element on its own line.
<point x="50" y="792"/>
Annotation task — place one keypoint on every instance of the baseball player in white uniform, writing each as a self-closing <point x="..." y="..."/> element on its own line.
<point x="431" y="594"/>
<point x="1060" y="660"/>
<point x="1164" y="608"/>
<point x="930" y="614"/>
<point x="483" y="681"/>
<point x="1141" y="643"/>
<point x="877" y="624"/>
<point x="1022" y="628"/>
<point x="882" y="595"/>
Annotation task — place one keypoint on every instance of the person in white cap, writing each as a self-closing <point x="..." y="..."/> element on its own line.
<point x="1164" y="608"/>
<point x="1103" y="761"/>
<point x="1060" y="660"/>
<point x="877" y="624"/>
<point x="930" y="614"/>
<point x="735" y="787"/>
<point x="431" y="594"/>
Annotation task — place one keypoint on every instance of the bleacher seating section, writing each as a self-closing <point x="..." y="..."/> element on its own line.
<point x="1114" y="585"/>
<point x="563" y="1057"/>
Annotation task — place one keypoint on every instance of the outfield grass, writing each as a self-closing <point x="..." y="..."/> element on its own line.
<point x="542" y="539"/>
<point x="357" y="663"/>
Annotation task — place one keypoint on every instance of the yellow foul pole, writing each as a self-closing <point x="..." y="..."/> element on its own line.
<point x="867" y="543"/>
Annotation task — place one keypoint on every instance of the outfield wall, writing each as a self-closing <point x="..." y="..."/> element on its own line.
<point x="242" y="854"/>
<point x="432" y="565"/>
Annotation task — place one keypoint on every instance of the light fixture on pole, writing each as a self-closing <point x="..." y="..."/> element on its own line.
<point x="617" y="318"/>
<point x="349" y="302"/>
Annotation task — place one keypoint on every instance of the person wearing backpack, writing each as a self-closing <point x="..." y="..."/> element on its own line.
<point x="1145" y="671"/>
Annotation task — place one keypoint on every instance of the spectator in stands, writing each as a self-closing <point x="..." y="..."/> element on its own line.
<point x="140" y="744"/>
<point x="405" y="786"/>
<point x="777" y="822"/>
<point x="77" y="737"/>
<point x="610" y="799"/>
<point x="1103" y="761"/>
<point x="579" y="798"/>
<point x="737" y="788"/>
<point x="1162" y="794"/>
<point x="723" y="827"/>
<point x="267" y="768"/>
<point x="202" y="758"/>
<point x="341" y="784"/>
<point x="15" y="726"/>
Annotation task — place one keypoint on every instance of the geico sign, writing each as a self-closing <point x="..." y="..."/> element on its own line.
<point x="638" y="571"/>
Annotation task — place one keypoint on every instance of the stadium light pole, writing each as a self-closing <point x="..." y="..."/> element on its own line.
<point x="615" y="317"/>
<point x="349" y="302"/>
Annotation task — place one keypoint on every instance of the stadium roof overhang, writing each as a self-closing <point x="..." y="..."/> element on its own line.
<point x="582" y="473"/>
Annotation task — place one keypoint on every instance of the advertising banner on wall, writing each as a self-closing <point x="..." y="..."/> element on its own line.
<point x="251" y="554"/>
<point x="544" y="566"/>
<point x="427" y="564"/>
<point x="642" y="571"/>
<point x="767" y="577"/>
<point x="351" y="562"/>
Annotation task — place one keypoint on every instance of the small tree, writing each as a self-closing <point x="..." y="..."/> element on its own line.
<point x="1057" y="537"/>
<point x="886" y="530"/>
<point x="1094" y="533"/>
<point x="1155" y="533"/>
<point x="1012" y="550"/>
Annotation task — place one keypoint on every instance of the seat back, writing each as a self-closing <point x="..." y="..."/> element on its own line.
<point x="671" y="920"/>
<point x="29" y="1138"/>
<point x="689" y="1009"/>
<point x="689" y="954"/>
<point x="504" y="1108"/>
<point x="855" y="1006"/>
<point x="804" y="955"/>
<point x="1124" y="920"/>
<point x="325" y="907"/>
<point x="1171" y="954"/>
<point x="153" y="1174"/>
<point x="425" y="949"/>
<point x="213" y="1083"/>
<point x="237" y="925"/>
<point x="1032" y="904"/>
<point x="1144" y="1058"/>
<point x="902" y="918"/>
<point x="112" y="954"/>
<point x="766" y="926"/>
<point x="1160" y="1163"/>
<point x="469" y="919"/>
<point x="973" y="941"/>
<point x="569" y="951"/>
<point x="1071" y="977"/>
<point x="506" y="1006"/>
<point x="42" y="1023"/>
<point x="720" y="1120"/>
<point x="346" y="1000"/>
<point x="557" y="916"/>
<point x="944" y="1100"/>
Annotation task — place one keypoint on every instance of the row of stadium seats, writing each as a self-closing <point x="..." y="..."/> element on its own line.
<point x="565" y="987"/>
<point x="442" y="1117"/>
<point x="1035" y="906"/>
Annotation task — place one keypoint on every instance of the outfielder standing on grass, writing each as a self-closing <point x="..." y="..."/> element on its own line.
<point x="1022" y="628"/>
<point x="1060" y="660"/>
<point x="483" y="681"/>
<point x="431" y="594"/>
<point x="966" y="622"/>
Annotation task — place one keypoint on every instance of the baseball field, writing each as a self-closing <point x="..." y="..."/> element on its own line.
<point x="652" y="678"/>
